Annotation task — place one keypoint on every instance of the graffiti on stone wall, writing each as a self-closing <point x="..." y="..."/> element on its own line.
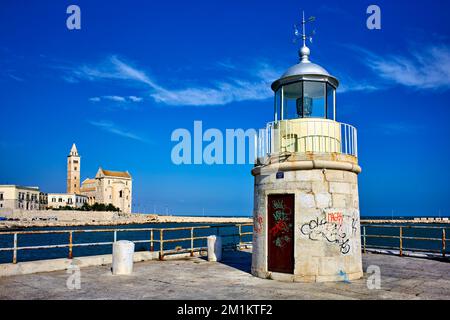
<point x="344" y="276"/>
<point x="332" y="229"/>
<point x="280" y="230"/>
<point x="258" y="224"/>
<point x="355" y="220"/>
<point x="335" y="217"/>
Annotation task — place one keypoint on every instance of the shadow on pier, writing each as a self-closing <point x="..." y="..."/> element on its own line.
<point x="239" y="259"/>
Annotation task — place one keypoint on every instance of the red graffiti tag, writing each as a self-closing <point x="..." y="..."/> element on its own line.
<point x="279" y="228"/>
<point x="335" y="217"/>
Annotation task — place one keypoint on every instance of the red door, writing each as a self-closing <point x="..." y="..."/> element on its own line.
<point x="281" y="233"/>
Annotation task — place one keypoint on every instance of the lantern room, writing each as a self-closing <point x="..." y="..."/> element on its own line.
<point x="306" y="90"/>
<point x="304" y="119"/>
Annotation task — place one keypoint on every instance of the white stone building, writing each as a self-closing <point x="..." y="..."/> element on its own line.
<point x="57" y="200"/>
<point x="72" y="198"/>
<point x="43" y="200"/>
<point x="18" y="197"/>
<point x="109" y="187"/>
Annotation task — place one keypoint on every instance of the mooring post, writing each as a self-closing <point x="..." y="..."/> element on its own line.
<point x="122" y="257"/>
<point x="401" y="241"/>
<point x="15" y="249"/>
<point x="192" y="242"/>
<point x="240" y="235"/>
<point x="151" y="240"/>
<point x="161" y="244"/>
<point x="70" y="244"/>
<point x="443" y="242"/>
<point x="364" y="238"/>
<point x="214" y="248"/>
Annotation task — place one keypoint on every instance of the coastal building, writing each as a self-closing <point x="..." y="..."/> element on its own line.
<point x="43" y="200"/>
<point x="109" y="187"/>
<point x="306" y="205"/>
<point x="58" y="200"/>
<point x="72" y="198"/>
<point x="18" y="197"/>
<point x="89" y="189"/>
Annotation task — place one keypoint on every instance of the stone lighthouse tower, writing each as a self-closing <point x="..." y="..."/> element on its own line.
<point x="73" y="171"/>
<point x="306" y="207"/>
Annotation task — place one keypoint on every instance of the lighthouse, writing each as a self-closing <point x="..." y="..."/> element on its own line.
<point x="306" y="204"/>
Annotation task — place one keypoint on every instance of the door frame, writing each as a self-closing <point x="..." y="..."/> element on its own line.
<point x="268" y="193"/>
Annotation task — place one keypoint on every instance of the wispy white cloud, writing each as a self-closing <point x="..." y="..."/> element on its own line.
<point x="135" y="98"/>
<point x="348" y="84"/>
<point x="16" y="78"/>
<point x="113" y="128"/>
<point x="255" y="85"/>
<point x="424" y="68"/>
<point x="69" y="78"/>
<point x="226" y="64"/>
<point x="119" y="99"/>
<point x="223" y="92"/>
<point x="115" y="98"/>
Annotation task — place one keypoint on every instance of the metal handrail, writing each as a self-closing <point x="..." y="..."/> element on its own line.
<point x="70" y="245"/>
<point x="401" y="248"/>
<point x="191" y="248"/>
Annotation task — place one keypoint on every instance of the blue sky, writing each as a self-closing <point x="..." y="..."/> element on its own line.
<point x="137" y="70"/>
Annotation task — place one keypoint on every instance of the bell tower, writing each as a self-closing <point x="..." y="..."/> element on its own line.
<point x="73" y="171"/>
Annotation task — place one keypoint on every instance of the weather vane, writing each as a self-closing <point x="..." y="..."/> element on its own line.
<point x="304" y="36"/>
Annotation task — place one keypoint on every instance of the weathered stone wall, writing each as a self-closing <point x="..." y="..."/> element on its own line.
<point x="327" y="225"/>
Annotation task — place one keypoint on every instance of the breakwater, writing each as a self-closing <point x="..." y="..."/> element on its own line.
<point x="19" y="219"/>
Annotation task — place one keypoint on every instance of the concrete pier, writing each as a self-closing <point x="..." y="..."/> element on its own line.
<point x="196" y="278"/>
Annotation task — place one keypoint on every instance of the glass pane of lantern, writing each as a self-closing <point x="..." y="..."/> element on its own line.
<point x="330" y="102"/>
<point x="277" y="115"/>
<point x="314" y="99"/>
<point x="292" y="95"/>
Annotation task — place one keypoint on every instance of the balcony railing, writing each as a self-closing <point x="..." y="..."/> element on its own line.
<point x="307" y="135"/>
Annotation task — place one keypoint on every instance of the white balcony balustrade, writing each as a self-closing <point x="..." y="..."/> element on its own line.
<point x="306" y="136"/>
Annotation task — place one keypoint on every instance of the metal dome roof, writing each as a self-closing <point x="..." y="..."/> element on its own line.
<point x="305" y="68"/>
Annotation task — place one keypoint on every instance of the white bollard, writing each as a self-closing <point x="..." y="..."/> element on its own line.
<point x="122" y="258"/>
<point x="214" y="248"/>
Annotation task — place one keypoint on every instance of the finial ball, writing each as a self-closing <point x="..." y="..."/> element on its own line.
<point x="304" y="52"/>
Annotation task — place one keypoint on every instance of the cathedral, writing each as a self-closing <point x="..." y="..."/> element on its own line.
<point x="107" y="187"/>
